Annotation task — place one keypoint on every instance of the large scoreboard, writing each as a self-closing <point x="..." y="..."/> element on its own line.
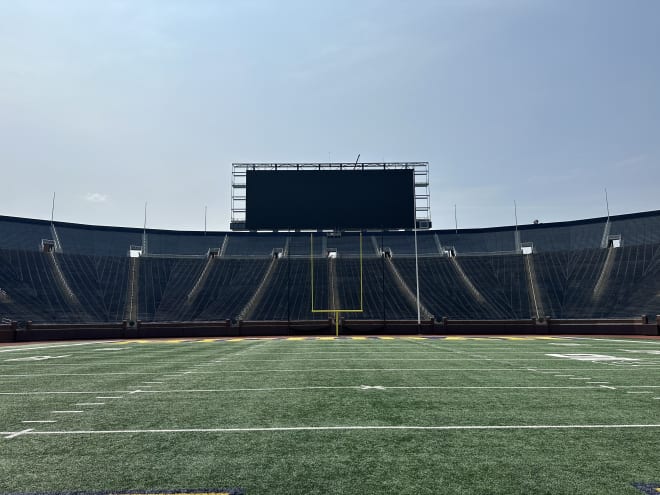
<point x="343" y="197"/>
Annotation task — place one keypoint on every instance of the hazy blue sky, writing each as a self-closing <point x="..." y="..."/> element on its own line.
<point x="114" y="103"/>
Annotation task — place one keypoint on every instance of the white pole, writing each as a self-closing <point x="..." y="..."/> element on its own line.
<point x="52" y="210"/>
<point x="607" y="204"/>
<point x="419" y="319"/>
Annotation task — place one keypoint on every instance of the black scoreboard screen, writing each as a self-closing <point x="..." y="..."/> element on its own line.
<point x="329" y="199"/>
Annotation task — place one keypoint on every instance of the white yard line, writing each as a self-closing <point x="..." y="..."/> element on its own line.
<point x="332" y="428"/>
<point x="90" y="404"/>
<point x="41" y="421"/>
<point x="66" y="392"/>
<point x="49" y="346"/>
<point x="337" y="387"/>
<point x="66" y="412"/>
<point x="314" y="370"/>
<point x="18" y="433"/>
<point x="110" y="373"/>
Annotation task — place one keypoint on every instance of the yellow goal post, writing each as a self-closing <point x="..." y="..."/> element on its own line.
<point x="336" y="311"/>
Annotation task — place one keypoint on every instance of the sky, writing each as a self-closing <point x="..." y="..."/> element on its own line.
<point x="111" y="104"/>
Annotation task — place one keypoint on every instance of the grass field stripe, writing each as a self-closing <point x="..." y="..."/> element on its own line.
<point x="338" y="428"/>
<point x="18" y="433"/>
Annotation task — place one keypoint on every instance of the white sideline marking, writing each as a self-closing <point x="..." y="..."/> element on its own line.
<point x="18" y="433"/>
<point x="66" y="412"/>
<point x="109" y="397"/>
<point x="579" y="378"/>
<point x="608" y="387"/>
<point x="41" y="421"/>
<point x="336" y="428"/>
<point x="369" y="387"/>
<point x="134" y="391"/>
<point x="563" y="375"/>
<point x="638" y="392"/>
<point x="90" y="404"/>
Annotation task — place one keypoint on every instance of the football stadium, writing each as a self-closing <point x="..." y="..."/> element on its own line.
<point x="331" y="347"/>
<point x="428" y="261"/>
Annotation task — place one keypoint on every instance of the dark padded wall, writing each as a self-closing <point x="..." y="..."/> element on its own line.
<point x="329" y="199"/>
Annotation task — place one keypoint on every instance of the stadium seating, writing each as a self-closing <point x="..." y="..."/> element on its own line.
<point x="573" y="273"/>
<point x="100" y="284"/>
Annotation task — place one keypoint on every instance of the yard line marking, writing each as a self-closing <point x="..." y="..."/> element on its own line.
<point x="353" y="387"/>
<point x="598" y="383"/>
<point x="608" y="387"/>
<point x="33" y="348"/>
<point x="298" y="370"/>
<point x="322" y="387"/>
<point x="339" y="428"/>
<point x="18" y="433"/>
<point x="563" y="375"/>
<point x="87" y="374"/>
<point x="638" y="392"/>
<point x="41" y="421"/>
<point x="66" y="412"/>
<point x="90" y="404"/>
<point x="579" y="378"/>
<point x="64" y="392"/>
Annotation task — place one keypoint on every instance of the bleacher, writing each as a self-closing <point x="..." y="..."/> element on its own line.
<point x="174" y="243"/>
<point x="502" y="282"/>
<point x="87" y="278"/>
<point x="567" y="279"/>
<point x="31" y="290"/>
<point x="23" y="233"/>
<point x="100" y="284"/>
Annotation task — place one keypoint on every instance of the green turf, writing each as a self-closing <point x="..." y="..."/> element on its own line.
<point x="318" y="383"/>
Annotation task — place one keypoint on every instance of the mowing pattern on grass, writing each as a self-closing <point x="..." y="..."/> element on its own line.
<point x="332" y="415"/>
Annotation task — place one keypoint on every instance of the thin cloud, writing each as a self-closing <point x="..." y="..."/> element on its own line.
<point x="96" y="197"/>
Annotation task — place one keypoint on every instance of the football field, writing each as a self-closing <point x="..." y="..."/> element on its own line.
<point x="354" y="415"/>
